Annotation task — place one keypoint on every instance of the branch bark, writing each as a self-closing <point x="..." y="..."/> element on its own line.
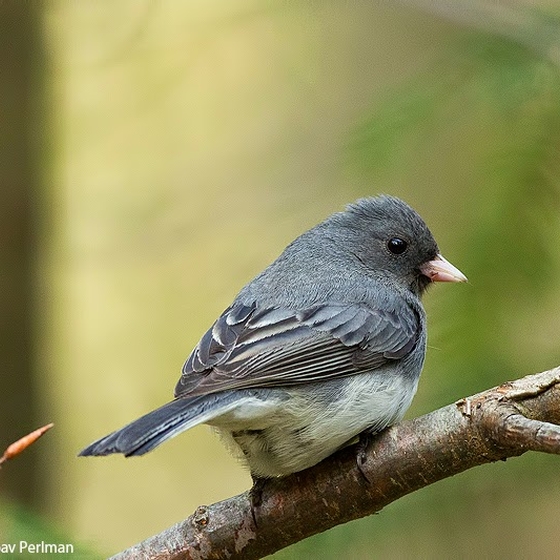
<point x="506" y="421"/>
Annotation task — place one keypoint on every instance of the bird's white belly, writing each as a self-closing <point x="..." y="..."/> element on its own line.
<point x="278" y="436"/>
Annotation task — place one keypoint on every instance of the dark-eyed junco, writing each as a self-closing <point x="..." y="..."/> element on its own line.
<point x="326" y="343"/>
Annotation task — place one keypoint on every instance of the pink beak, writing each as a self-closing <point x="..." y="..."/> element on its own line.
<point x="441" y="270"/>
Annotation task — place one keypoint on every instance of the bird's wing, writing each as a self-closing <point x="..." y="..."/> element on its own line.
<point x="250" y="347"/>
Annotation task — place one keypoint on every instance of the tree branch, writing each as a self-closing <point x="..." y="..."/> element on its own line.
<point x="505" y="421"/>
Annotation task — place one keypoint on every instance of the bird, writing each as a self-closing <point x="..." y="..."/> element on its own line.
<point x="325" y="345"/>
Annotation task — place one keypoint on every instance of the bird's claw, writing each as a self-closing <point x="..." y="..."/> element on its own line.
<point x="361" y="453"/>
<point x="255" y="496"/>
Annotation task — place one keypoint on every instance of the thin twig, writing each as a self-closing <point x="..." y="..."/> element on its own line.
<point x="23" y="443"/>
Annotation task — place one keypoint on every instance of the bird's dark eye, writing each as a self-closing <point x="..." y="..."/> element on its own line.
<point x="397" y="245"/>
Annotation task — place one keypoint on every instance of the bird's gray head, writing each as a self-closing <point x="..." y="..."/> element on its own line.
<point x="388" y="237"/>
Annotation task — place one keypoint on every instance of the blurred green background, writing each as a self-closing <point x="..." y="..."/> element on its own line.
<point x="156" y="155"/>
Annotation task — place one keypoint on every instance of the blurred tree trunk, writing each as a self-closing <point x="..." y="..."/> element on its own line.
<point x="20" y="56"/>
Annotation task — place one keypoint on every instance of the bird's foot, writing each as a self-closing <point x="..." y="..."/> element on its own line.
<point x="255" y="495"/>
<point x="365" y="439"/>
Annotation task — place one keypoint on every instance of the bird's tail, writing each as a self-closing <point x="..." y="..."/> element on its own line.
<point x="157" y="426"/>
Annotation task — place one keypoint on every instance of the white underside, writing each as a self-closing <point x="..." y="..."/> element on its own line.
<point x="278" y="436"/>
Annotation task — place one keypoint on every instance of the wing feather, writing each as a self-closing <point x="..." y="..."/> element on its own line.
<point x="252" y="347"/>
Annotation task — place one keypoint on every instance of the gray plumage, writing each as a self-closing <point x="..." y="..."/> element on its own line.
<point x="325" y="343"/>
